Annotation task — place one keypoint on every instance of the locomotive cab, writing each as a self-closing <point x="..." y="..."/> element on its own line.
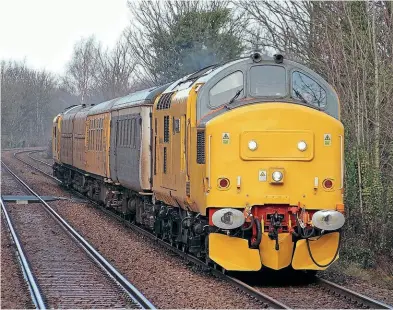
<point x="271" y="143"/>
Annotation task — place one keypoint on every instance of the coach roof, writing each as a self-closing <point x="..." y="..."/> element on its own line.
<point x="142" y="97"/>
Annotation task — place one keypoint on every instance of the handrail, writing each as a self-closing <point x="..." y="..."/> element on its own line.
<point x="342" y="161"/>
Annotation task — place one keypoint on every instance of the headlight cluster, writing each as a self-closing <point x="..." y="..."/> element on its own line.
<point x="252" y="145"/>
<point x="328" y="219"/>
<point x="228" y="218"/>
<point x="302" y="146"/>
<point x="277" y="176"/>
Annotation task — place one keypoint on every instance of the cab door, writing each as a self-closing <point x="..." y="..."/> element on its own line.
<point x="114" y="137"/>
<point x="56" y="139"/>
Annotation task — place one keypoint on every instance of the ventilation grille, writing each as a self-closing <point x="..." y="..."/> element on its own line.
<point x="165" y="157"/>
<point x="164" y="102"/>
<point x="201" y="147"/>
<point x="166" y="128"/>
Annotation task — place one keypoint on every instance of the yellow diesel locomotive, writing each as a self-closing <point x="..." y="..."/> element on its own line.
<point x="240" y="163"/>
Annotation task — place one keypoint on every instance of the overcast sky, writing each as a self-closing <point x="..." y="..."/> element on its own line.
<point x="45" y="31"/>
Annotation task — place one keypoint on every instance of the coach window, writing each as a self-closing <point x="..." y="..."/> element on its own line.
<point x="121" y="132"/>
<point x="226" y="89"/>
<point x="132" y="133"/>
<point x="124" y="132"/>
<point x="135" y="132"/>
<point x="268" y="81"/>
<point x="127" y="133"/>
<point x="307" y="90"/>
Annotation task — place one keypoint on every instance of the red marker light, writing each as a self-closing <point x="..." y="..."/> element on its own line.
<point x="224" y="183"/>
<point x="327" y="183"/>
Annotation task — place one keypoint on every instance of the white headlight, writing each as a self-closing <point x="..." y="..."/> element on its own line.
<point x="277" y="176"/>
<point x="228" y="218"/>
<point x="328" y="219"/>
<point x="302" y="146"/>
<point x="252" y="145"/>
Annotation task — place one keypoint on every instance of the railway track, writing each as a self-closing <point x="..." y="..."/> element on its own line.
<point x="36" y="159"/>
<point x="35" y="292"/>
<point x="41" y="162"/>
<point x="61" y="268"/>
<point x="351" y="297"/>
<point x="356" y="298"/>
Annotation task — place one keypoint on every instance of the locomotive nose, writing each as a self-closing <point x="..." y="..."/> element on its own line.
<point x="281" y="164"/>
<point x="274" y="153"/>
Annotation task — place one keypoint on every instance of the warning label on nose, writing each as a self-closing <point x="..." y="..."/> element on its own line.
<point x="225" y="138"/>
<point x="327" y="139"/>
<point x="262" y="175"/>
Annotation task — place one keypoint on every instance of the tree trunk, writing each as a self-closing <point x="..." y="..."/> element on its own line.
<point x="377" y="96"/>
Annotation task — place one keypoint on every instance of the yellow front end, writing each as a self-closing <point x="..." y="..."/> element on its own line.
<point x="246" y="146"/>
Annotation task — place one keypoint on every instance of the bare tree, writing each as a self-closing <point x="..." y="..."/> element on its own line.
<point x="26" y="98"/>
<point x="81" y="69"/>
<point x="95" y="74"/>
<point x="114" y="71"/>
<point x="173" y="38"/>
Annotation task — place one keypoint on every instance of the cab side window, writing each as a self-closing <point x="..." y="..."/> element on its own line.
<point x="226" y="89"/>
<point x="307" y="90"/>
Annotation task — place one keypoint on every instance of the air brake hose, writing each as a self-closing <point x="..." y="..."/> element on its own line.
<point x="335" y="255"/>
<point x="306" y="236"/>
<point x="255" y="244"/>
<point x="248" y="227"/>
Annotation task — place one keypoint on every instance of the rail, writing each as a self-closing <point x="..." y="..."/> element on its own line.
<point x="266" y="299"/>
<point x="347" y="293"/>
<point x="133" y="293"/>
<point x="269" y="301"/>
<point x="36" y="159"/>
<point x="35" y="168"/>
<point x="35" y="291"/>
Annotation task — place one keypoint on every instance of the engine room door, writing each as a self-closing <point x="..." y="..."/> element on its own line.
<point x="173" y="152"/>
<point x="168" y="175"/>
<point x="171" y="145"/>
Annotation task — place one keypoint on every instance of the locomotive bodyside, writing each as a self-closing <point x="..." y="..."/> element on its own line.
<point x="171" y="146"/>
<point x="235" y="141"/>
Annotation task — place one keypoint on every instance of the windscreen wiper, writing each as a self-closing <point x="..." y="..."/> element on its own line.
<point x="300" y="96"/>
<point x="234" y="98"/>
<point x="305" y="101"/>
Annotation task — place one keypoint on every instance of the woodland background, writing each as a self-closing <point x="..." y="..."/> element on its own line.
<point x="349" y="43"/>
